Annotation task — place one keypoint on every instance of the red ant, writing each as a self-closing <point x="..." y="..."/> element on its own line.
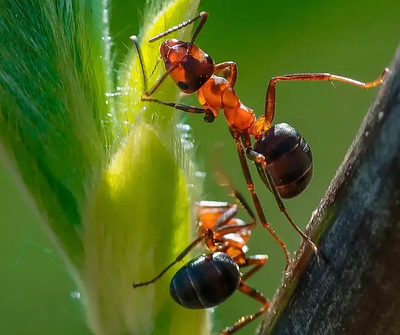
<point x="282" y="156"/>
<point x="208" y="280"/>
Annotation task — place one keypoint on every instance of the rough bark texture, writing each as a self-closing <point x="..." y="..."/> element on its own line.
<point x="355" y="288"/>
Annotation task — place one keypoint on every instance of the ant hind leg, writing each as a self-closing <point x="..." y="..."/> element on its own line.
<point x="243" y="321"/>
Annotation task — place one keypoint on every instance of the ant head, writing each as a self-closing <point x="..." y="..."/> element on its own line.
<point x="172" y="46"/>
<point x="191" y="66"/>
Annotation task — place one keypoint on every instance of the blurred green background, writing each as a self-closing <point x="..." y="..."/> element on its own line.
<point x="350" y="38"/>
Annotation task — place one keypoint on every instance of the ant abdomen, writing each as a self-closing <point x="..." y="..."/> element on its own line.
<point x="288" y="157"/>
<point x="205" y="281"/>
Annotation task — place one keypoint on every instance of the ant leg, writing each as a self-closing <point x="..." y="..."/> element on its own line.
<point x="149" y="92"/>
<point x="226" y="216"/>
<point x="157" y="84"/>
<point x="208" y="117"/>
<point x="256" y="200"/>
<point x="231" y="76"/>
<point x="228" y="213"/>
<point x="224" y="181"/>
<point x="232" y="229"/>
<point x="222" y="228"/>
<point x="270" y="99"/>
<point x="259" y="160"/>
<point x="258" y="261"/>
<point x="207" y="235"/>
<point x="202" y="15"/>
<point x="243" y="321"/>
<point x="244" y="203"/>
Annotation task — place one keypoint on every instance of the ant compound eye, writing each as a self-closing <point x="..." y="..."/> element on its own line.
<point x="209" y="59"/>
<point x="209" y="117"/>
<point x="182" y="85"/>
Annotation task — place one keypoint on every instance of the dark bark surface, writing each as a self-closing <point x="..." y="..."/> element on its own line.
<point x="356" y="288"/>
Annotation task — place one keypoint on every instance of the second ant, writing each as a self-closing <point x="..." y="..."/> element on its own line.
<point x="208" y="280"/>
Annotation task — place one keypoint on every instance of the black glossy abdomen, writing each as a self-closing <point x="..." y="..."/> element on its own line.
<point x="205" y="281"/>
<point x="288" y="157"/>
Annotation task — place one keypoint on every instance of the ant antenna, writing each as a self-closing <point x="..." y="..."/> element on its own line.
<point x="155" y="66"/>
<point x="139" y="52"/>
<point x="202" y="15"/>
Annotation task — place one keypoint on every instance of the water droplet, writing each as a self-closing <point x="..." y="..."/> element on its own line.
<point x="183" y="127"/>
<point x="200" y="174"/>
<point x="286" y="275"/>
<point x="113" y="94"/>
<point x="75" y="295"/>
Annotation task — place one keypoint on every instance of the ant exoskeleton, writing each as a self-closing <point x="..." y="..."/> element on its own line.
<point x="282" y="156"/>
<point x="208" y="280"/>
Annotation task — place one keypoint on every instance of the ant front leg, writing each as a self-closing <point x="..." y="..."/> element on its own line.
<point x="270" y="99"/>
<point x="149" y="92"/>
<point x="207" y="235"/>
<point x="261" y="164"/>
<point x="208" y="114"/>
<point x="228" y="70"/>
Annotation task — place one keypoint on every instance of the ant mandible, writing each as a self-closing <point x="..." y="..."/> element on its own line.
<point x="281" y="155"/>
<point x="208" y="280"/>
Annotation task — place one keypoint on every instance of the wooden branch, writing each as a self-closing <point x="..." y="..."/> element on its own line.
<point x="356" y="289"/>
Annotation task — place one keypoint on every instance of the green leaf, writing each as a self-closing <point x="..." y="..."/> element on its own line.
<point x="52" y="86"/>
<point x="134" y="230"/>
<point x="110" y="178"/>
<point x="140" y="217"/>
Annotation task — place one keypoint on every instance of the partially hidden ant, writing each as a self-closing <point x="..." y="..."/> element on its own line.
<point x="208" y="280"/>
<point x="282" y="156"/>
